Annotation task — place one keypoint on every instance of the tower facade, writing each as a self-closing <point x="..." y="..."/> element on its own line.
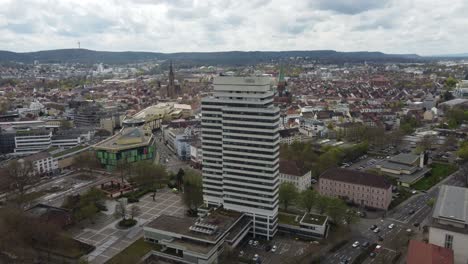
<point x="240" y="143"/>
<point x="171" y="85"/>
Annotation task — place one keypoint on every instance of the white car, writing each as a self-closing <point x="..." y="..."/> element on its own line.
<point x="376" y="230"/>
<point x="391" y="226"/>
<point x="255" y="243"/>
<point x="255" y="257"/>
<point x="250" y="242"/>
<point x="273" y="249"/>
<point x="356" y="244"/>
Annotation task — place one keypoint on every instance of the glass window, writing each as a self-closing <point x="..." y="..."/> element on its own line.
<point x="448" y="241"/>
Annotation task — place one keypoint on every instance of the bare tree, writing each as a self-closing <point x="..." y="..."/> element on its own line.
<point x="134" y="211"/>
<point x="86" y="160"/>
<point x="20" y="175"/>
<point x="120" y="210"/>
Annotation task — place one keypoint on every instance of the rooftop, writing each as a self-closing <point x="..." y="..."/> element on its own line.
<point x="405" y="158"/>
<point x="314" y="219"/>
<point x="219" y="220"/>
<point x="356" y="177"/>
<point x="452" y="204"/>
<point x="421" y="252"/>
<point x="127" y="138"/>
<point x="291" y="168"/>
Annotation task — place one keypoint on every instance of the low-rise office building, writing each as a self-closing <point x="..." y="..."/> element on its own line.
<point x="43" y="162"/>
<point x="203" y="240"/>
<point x="406" y="167"/>
<point x="449" y="223"/>
<point x="308" y="225"/>
<point x="361" y="188"/>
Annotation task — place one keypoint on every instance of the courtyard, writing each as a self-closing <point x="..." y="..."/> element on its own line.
<point x="109" y="240"/>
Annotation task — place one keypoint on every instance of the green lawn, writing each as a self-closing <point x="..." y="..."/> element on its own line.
<point x="133" y="253"/>
<point x="439" y="172"/>
<point x="288" y="219"/>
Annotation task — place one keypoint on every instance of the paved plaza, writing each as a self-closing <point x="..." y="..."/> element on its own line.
<point x="110" y="240"/>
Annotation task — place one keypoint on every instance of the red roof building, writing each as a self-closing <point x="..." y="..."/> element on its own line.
<point x="421" y="252"/>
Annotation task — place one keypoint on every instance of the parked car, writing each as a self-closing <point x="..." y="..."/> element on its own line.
<point x="377" y="230"/>
<point x="411" y="212"/>
<point x="372" y="255"/>
<point x="373" y="227"/>
<point x="267" y="248"/>
<point x="416" y="224"/>
<point x="391" y="226"/>
<point x="273" y="249"/>
<point x="250" y="242"/>
<point x="255" y="243"/>
<point x="365" y="244"/>
<point x="380" y="238"/>
<point x="356" y="244"/>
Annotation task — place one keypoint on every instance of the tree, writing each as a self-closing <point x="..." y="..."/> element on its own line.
<point x="120" y="211"/>
<point x="65" y="124"/>
<point x="425" y="143"/>
<point x="180" y="178"/>
<point x="450" y="82"/>
<point x="307" y="199"/>
<point x="329" y="159"/>
<point x="336" y="210"/>
<point x="193" y="189"/>
<point x="148" y="176"/>
<point x="86" y="160"/>
<point x="322" y="203"/>
<point x="134" y="211"/>
<point x="20" y="175"/>
<point x="287" y="194"/>
<point x="447" y="96"/>
<point x="123" y="169"/>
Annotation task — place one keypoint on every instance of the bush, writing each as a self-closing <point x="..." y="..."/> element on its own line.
<point x="134" y="196"/>
<point x="132" y="200"/>
<point x="126" y="223"/>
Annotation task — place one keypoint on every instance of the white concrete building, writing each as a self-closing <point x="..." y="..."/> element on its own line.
<point x="43" y="163"/>
<point x="290" y="172"/>
<point x="32" y="141"/>
<point x="240" y="142"/>
<point x="449" y="227"/>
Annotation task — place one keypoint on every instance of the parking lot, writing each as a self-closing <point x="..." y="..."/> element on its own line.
<point x="110" y="240"/>
<point x="287" y="249"/>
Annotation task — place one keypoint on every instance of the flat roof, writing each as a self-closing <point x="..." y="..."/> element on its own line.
<point x="452" y="204"/>
<point x="314" y="219"/>
<point x="405" y="158"/>
<point x="221" y="218"/>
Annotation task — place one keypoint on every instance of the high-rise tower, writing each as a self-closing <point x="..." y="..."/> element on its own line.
<point x="171" y="86"/>
<point x="240" y="143"/>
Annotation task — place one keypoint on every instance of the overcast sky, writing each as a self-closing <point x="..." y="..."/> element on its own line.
<point x="395" y="26"/>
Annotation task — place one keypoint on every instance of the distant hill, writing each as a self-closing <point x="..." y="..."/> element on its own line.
<point x="199" y="58"/>
<point x="458" y="55"/>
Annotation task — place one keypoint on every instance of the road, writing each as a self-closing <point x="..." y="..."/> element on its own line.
<point x="400" y="217"/>
<point x="166" y="156"/>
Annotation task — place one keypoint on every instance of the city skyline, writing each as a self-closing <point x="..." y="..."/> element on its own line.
<point x="420" y="27"/>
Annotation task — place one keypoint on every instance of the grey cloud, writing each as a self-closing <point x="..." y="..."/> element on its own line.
<point x="349" y="7"/>
<point x="20" y="28"/>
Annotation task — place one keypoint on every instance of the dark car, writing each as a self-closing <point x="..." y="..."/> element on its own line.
<point x="372" y="255"/>
<point x="267" y="248"/>
<point x="411" y="212"/>
<point x="373" y="227"/>
<point x="380" y="238"/>
<point x="365" y="244"/>
<point x="416" y="224"/>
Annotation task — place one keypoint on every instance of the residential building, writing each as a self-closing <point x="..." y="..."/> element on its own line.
<point x="422" y="252"/>
<point x="291" y="172"/>
<point x="130" y="145"/>
<point x="240" y="143"/>
<point x="449" y="223"/>
<point x="361" y="188"/>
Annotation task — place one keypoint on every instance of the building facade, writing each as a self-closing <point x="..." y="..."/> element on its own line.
<point x="449" y="223"/>
<point x="32" y="141"/>
<point x="240" y="143"/>
<point x="363" y="189"/>
<point x="290" y="172"/>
